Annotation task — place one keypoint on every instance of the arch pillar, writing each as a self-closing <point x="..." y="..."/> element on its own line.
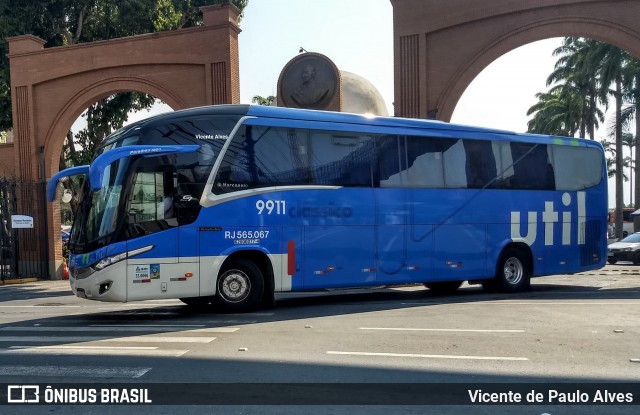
<point x="52" y="87"/>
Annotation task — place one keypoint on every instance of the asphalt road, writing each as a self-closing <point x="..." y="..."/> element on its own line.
<point x="390" y="346"/>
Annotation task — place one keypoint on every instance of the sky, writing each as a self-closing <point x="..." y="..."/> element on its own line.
<point x="357" y="35"/>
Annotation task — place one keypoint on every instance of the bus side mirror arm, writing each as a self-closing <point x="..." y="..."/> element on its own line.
<point x="53" y="181"/>
<point x="96" y="170"/>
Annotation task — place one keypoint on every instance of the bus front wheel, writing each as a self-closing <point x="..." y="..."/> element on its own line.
<point x="513" y="272"/>
<point x="240" y="285"/>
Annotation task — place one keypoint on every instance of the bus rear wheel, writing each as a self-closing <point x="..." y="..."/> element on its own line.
<point x="513" y="272"/>
<point x="240" y="285"/>
<point x="443" y="287"/>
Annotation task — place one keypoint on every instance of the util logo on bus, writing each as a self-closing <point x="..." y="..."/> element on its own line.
<point x="550" y="217"/>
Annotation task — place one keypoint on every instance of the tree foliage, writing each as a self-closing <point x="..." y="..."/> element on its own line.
<point x="68" y="22"/>
<point x="587" y="75"/>
<point x="260" y="100"/>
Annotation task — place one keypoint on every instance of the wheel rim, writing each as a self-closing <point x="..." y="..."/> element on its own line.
<point x="513" y="271"/>
<point x="235" y="286"/>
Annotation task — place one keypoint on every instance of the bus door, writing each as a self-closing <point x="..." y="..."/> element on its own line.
<point x="338" y="224"/>
<point x="171" y="267"/>
<point x="401" y="255"/>
<point x="463" y="211"/>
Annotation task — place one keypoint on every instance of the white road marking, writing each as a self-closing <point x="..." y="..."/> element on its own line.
<point x="94" y="350"/>
<point x="133" y="339"/>
<point x="445" y="330"/>
<point x="123" y="328"/>
<point x="40" y="306"/>
<point x="80" y="371"/>
<point x="163" y="339"/>
<point x="429" y="356"/>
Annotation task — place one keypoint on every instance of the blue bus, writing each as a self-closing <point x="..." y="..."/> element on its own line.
<point x="230" y="204"/>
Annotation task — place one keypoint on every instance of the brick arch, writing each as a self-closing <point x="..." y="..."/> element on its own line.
<point x="64" y="119"/>
<point x="51" y="87"/>
<point x="441" y="47"/>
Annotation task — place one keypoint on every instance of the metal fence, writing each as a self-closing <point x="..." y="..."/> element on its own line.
<point x="23" y="229"/>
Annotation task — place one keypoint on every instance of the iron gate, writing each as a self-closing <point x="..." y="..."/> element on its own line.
<point x="24" y="250"/>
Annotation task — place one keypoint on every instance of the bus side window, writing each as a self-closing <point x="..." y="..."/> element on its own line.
<point x="391" y="161"/>
<point x="454" y="158"/>
<point x="425" y="160"/>
<point x="341" y="159"/>
<point x="532" y="168"/>
<point x="152" y="198"/>
<point x="481" y="164"/>
<point x="576" y="168"/>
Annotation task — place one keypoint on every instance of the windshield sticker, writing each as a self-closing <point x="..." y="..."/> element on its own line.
<point x="154" y="271"/>
<point x="144" y="151"/>
<point x="141" y="274"/>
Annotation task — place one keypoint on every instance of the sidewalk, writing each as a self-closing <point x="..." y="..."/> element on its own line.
<point x="34" y="282"/>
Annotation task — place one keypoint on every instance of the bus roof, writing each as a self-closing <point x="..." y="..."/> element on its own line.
<point x="347" y="118"/>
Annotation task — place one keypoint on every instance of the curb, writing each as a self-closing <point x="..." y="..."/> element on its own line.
<point x="19" y="281"/>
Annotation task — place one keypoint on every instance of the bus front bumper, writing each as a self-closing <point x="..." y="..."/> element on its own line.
<point x="109" y="284"/>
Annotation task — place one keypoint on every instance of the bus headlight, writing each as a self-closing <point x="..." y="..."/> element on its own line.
<point x="103" y="263"/>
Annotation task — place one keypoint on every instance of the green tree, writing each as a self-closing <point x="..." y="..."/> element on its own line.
<point x="571" y="105"/>
<point x="555" y="113"/>
<point x="587" y="74"/>
<point x="260" y="100"/>
<point x="631" y="113"/>
<point x="575" y="73"/>
<point x="68" y="22"/>
<point x="610" y="61"/>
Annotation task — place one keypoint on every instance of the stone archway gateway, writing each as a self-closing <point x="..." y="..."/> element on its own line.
<point x="52" y="87"/>
<point x="441" y="46"/>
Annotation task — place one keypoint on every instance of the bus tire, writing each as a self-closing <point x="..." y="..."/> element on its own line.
<point x="240" y="285"/>
<point x="443" y="287"/>
<point x="513" y="272"/>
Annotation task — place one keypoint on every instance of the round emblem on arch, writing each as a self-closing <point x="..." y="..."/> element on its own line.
<point x="310" y="80"/>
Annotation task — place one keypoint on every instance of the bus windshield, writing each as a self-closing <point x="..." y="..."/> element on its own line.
<point x="132" y="188"/>
<point x="98" y="213"/>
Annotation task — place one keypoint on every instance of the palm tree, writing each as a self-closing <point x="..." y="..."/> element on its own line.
<point x="583" y="76"/>
<point x="610" y="61"/>
<point x="575" y="72"/>
<point x="554" y="114"/>
<point x="631" y="86"/>
<point x="610" y="157"/>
